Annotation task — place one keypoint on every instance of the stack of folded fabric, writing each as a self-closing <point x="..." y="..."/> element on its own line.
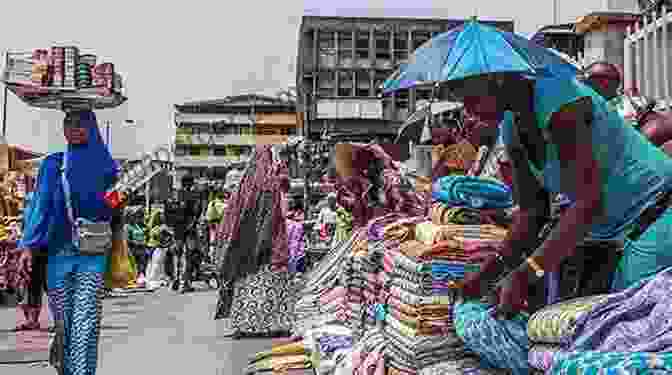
<point x="297" y="246"/>
<point x="320" y="281"/>
<point x="363" y="281"/>
<point x="367" y="356"/>
<point x="469" y="365"/>
<point x="473" y="192"/>
<point x="292" y="356"/>
<point x="327" y="345"/>
<point x="552" y="328"/>
<point x="431" y="233"/>
<point x="444" y="214"/>
<point x="419" y="324"/>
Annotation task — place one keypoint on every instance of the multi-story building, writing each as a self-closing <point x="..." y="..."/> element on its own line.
<point x="216" y="135"/>
<point x="562" y="38"/>
<point x="342" y="62"/>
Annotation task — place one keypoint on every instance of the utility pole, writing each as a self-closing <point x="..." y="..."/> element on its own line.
<point x="555" y="12"/>
<point x="4" y="102"/>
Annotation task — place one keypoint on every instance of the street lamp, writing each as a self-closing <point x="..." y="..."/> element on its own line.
<point x="108" y="130"/>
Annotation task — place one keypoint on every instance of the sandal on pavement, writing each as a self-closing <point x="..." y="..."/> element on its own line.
<point x="27" y="326"/>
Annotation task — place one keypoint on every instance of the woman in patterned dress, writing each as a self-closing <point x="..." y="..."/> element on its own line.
<point x="252" y="235"/>
<point x="75" y="282"/>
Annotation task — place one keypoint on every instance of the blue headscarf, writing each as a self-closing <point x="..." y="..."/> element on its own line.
<point x="91" y="171"/>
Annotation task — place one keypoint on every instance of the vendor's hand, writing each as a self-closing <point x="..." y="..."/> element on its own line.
<point x="512" y="293"/>
<point x="476" y="284"/>
<point x="26" y="261"/>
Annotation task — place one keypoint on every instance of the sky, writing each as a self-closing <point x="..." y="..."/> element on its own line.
<point x="170" y="52"/>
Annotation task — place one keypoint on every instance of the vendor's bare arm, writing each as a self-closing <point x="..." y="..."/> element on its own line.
<point x="580" y="175"/>
<point x="533" y="201"/>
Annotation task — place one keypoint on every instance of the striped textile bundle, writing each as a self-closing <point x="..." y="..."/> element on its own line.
<point x="418" y="323"/>
<point x="431" y="233"/>
<point x="551" y="328"/>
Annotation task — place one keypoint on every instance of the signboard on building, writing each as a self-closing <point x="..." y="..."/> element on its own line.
<point x="350" y="109"/>
<point x="207" y="161"/>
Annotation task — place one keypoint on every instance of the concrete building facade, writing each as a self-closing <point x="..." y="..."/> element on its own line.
<point x="341" y="64"/>
<point x="216" y="135"/>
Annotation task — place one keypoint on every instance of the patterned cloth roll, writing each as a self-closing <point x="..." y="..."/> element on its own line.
<point x="555" y="324"/>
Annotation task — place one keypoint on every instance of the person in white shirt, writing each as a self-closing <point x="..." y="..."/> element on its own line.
<point x="328" y="216"/>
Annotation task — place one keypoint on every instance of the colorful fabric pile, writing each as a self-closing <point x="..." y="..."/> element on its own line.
<point x="343" y="224"/>
<point x="425" y="274"/>
<point x="552" y="328"/>
<point x="473" y="192"/>
<point x="297" y="246"/>
<point x="282" y="358"/>
<point x="328" y="344"/>
<point x="625" y="333"/>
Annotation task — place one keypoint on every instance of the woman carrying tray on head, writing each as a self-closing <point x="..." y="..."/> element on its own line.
<point x="71" y="185"/>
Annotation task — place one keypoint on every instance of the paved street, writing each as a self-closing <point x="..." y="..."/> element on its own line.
<point x="162" y="333"/>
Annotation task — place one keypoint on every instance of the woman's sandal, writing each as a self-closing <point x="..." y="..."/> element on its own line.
<point x="27" y="326"/>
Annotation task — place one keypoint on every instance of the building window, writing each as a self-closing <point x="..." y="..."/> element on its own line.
<point x="362" y="45"/>
<point x="363" y="84"/>
<point x="326" y="84"/>
<point x="181" y="150"/>
<point x="345" y="83"/>
<point x="220" y="151"/>
<point x="184" y="128"/>
<point x="345" y="48"/>
<point x="382" y="46"/>
<point x="379" y="78"/>
<point x="402" y="99"/>
<point x="201" y="128"/>
<point x="226" y="129"/>
<point x="423" y="94"/>
<point x="419" y="38"/>
<point x="400" y="47"/>
<point x="194" y="151"/>
<point x="327" y="48"/>
<point x="245" y="130"/>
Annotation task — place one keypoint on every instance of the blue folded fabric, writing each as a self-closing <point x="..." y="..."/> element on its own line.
<point x="448" y="271"/>
<point x="501" y="344"/>
<point x="473" y="192"/>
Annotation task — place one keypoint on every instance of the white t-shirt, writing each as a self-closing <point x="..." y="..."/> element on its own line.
<point x="327" y="216"/>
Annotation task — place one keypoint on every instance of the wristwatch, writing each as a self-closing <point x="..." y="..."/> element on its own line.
<point x="538" y="270"/>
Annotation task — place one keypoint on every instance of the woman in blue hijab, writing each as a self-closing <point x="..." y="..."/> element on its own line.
<point x="75" y="282"/>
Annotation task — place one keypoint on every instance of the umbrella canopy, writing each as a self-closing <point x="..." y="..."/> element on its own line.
<point x="411" y="130"/>
<point x="474" y="49"/>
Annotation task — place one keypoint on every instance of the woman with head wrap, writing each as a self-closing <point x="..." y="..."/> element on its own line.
<point x="370" y="184"/>
<point x="253" y="234"/>
<point x="75" y="281"/>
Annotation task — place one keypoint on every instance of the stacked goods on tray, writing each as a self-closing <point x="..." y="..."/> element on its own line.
<point x="47" y="78"/>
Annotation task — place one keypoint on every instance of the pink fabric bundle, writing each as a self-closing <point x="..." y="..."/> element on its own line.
<point x="372" y="364"/>
<point x="335" y="294"/>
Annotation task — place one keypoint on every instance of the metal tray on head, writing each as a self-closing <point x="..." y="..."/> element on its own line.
<point x="66" y="99"/>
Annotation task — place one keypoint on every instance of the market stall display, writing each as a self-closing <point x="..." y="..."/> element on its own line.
<point x="381" y="300"/>
<point x="14" y="185"/>
<point x="62" y="78"/>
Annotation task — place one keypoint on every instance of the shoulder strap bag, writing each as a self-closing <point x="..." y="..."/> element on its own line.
<point x="91" y="238"/>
